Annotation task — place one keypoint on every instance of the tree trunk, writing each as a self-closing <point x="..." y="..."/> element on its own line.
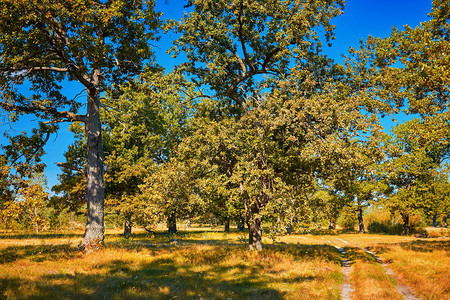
<point x="36" y="225"/>
<point x="188" y="223"/>
<point x="406" y="230"/>
<point x="332" y="224"/>
<point x="255" y="234"/>
<point x="127" y="226"/>
<point x="435" y="220"/>
<point x="240" y="224"/>
<point x="360" y="220"/>
<point x="227" y="225"/>
<point x="172" y="223"/>
<point x="94" y="234"/>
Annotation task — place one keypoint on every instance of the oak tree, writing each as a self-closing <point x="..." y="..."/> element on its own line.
<point x="93" y="43"/>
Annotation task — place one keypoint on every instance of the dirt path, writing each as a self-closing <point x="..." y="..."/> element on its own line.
<point x="402" y="289"/>
<point x="346" y="288"/>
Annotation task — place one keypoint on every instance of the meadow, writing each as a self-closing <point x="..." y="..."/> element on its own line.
<point x="205" y="263"/>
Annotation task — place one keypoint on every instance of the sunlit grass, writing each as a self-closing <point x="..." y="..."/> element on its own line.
<point x="369" y="279"/>
<point x="194" y="267"/>
<point x="208" y="263"/>
<point x="424" y="265"/>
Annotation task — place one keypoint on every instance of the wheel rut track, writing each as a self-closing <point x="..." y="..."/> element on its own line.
<point x="404" y="290"/>
<point x="346" y="288"/>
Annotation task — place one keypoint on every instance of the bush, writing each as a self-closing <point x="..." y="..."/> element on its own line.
<point x="383" y="228"/>
<point x="348" y="219"/>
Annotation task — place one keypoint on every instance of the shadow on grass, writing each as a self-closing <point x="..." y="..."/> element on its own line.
<point x="177" y="276"/>
<point x="26" y="236"/>
<point x="355" y="254"/>
<point x="38" y="253"/>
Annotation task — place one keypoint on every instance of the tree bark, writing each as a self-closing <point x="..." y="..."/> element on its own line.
<point x="94" y="234"/>
<point x="127" y="226"/>
<point x="360" y="220"/>
<point x="240" y="224"/>
<point x="36" y="225"/>
<point x="435" y="220"/>
<point x="332" y="224"/>
<point x="172" y="223"/>
<point x="227" y="225"/>
<point x="406" y="229"/>
<point x="255" y="234"/>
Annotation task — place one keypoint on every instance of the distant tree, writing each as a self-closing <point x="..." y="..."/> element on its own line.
<point x="143" y="126"/>
<point x="438" y="196"/>
<point x="143" y="123"/>
<point x="93" y="43"/>
<point x="7" y="205"/>
<point x="410" y="172"/>
<point x="31" y="200"/>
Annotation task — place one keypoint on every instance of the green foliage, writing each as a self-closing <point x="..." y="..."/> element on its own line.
<point x="384" y="228"/>
<point x="141" y="128"/>
<point x="92" y="43"/>
<point x="281" y="116"/>
<point x="407" y="70"/>
<point x="229" y="44"/>
<point x="348" y="218"/>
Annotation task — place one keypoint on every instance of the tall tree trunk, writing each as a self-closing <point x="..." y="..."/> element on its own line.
<point x="360" y="220"/>
<point x="127" y="226"/>
<point x="406" y="230"/>
<point x="227" y="224"/>
<point x="255" y="234"/>
<point x="94" y="234"/>
<point x="172" y="223"/>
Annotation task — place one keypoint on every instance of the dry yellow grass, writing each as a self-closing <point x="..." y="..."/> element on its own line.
<point x="424" y="265"/>
<point x="421" y="264"/>
<point x="369" y="279"/>
<point x="198" y="266"/>
<point x="208" y="264"/>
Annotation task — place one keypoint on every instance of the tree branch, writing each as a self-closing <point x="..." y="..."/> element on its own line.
<point x="58" y="115"/>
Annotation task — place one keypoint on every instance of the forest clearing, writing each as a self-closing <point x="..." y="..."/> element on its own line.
<point x="203" y="263"/>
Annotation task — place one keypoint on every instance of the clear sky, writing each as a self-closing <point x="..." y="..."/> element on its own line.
<point x="360" y="19"/>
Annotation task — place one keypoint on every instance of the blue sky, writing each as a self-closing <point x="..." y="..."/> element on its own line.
<point x="360" y="19"/>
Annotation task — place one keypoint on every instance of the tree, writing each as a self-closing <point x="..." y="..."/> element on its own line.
<point x="241" y="50"/>
<point x="410" y="172"/>
<point x="31" y="200"/>
<point x="143" y="127"/>
<point x="92" y="43"/>
<point x="169" y="193"/>
<point x="409" y="70"/>
<point x="143" y="121"/>
<point x="362" y="182"/>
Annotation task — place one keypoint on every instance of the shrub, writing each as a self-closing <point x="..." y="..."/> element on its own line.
<point x="348" y="218"/>
<point x="383" y="228"/>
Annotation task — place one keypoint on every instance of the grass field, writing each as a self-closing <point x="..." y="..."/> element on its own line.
<point x="206" y="264"/>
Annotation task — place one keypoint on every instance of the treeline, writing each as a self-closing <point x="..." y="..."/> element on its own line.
<point x="256" y="125"/>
